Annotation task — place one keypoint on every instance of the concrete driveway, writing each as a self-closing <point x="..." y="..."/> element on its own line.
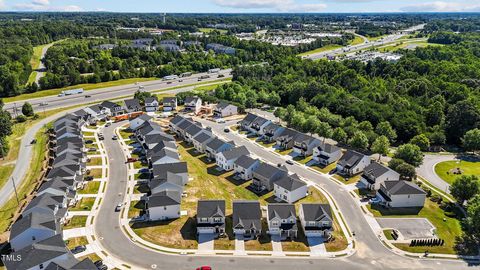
<point x="205" y="243"/>
<point x="410" y="228"/>
<point x="317" y="246"/>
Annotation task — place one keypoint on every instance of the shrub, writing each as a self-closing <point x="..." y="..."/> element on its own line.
<point x="21" y="118"/>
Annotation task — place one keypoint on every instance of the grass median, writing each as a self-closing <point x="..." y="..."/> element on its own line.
<point x="446" y="169"/>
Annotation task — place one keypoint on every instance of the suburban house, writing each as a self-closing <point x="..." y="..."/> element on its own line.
<point x="326" y="154"/>
<point x="182" y="127"/>
<point x="290" y="188"/>
<point x="59" y="187"/>
<point x="220" y="49"/>
<point x="271" y="132"/>
<point x="151" y="104"/>
<point x="179" y="168"/>
<point x="247" y="121"/>
<point x="133" y="105"/>
<point x="146" y="129"/>
<point x="375" y="174"/>
<point x="172" y="181"/>
<point x="164" y="156"/>
<point x="49" y="204"/>
<point x="247" y="219"/>
<point x="33" y="228"/>
<point x="244" y="167"/>
<point x="176" y="121"/>
<point x="201" y="140"/>
<point x="282" y="220"/>
<point x="164" y="205"/>
<point x="152" y="141"/>
<point x="211" y="217"/>
<point x="193" y="104"/>
<point x="401" y="194"/>
<point x="139" y="121"/>
<point x="226" y="159"/>
<point x="265" y="175"/>
<point x="286" y="139"/>
<point x="316" y="219"/>
<point x="112" y="108"/>
<point x="216" y="146"/>
<point x="258" y="125"/>
<point x="169" y="104"/>
<point x="352" y="163"/>
<point x="192" y="131"/>
<point x="304" y="144"/>
<point x="224" y="109"/>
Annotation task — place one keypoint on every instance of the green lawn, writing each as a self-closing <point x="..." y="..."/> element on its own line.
<point x="125" y="134"/>
<point x="209" y="30"/>
<point x="388" y="234"/>
<point x="76" y="222"/>
<point x="88" y="133"/>
<point x="357" y="40"/>
<point x="90" y="188"/>
<point x="468" y="168"/>
<point x="136" y="207"/>
<point x="348" y="180"/>
<point x="77" y="241"/>
<point x="322" y="49"/>
<point x="96" y="173"/>
<point x="284" y="152"/>
<point x="95" y="161"/>
<point x="85" y="204"/>
<point x="447" y="224"/>
<point x="326" y="169"/>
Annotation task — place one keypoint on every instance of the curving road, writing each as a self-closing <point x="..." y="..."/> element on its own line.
<point x="427" y="170"/>
<point x="371" y="254"/>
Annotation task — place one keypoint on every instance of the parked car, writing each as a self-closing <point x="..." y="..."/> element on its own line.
<point x="98" y="263"/>
<point x="78" y="249"/>
<point x="226" y="130"/>
<point x="88" y="96"/>
<point x="289" y="162"/>
<point x="108" y="124"/>
<point x="34" y="141"/>
<point x="205" y="267"/>
<point x="88" y="178"/>
<point x="88" y="141"/>
<point x="114" y="137"/>
<point x="129" y="160"/>
<point x="92" y="149"/>
<point x="101" y="138"/>
<point x="118" y="207"/>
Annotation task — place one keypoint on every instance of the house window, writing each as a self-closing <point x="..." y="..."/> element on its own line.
<point x="274" y="223"/>
<point x="291" y="220"/>
<point x="216" y="220"/>
<point x="311" y="223"/>
<point x="203" y="219"/>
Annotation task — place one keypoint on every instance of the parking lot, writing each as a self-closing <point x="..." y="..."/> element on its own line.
<point x="410" y="228"/>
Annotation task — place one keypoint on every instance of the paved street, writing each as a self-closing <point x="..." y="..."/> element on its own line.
<point x="371" y="254"/>
<point x="427" y="170"/>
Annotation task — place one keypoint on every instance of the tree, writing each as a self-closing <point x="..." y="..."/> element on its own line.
<point x="464" y="188"/>
<point x="142" y="95"/>
<point x="27" y="109"/>
<point x="359" y="140"/>
<point x="421" y="141"/>
<point x="473" y="218"/>
<point x="381" y="146"/>
<point x="385" y="129"/>
<point x="339" y="135"/>
<point x="410" y="153"/>
<point x="471" y="140"/>
<point x="406" y="171"/>
<point x="462" y="117"/>
<point x="324" y="130"/>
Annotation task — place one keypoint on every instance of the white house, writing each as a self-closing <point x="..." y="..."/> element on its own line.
<point x="401" y="194"/>
<point x="211" y="217"/>
<point x="164" y="156"/>
<point x="169" y="104"/>
<point x="151" y="104"/>
<point x="244" y="167"/>
<point x="247" y="219"/>
<point x="201" y="140"/>
<point x="326" y="154"/>
<point x="352" y="163"/>
<point x="216" y="146"/>
<point x="139" y="121"/>
<point x="258" y="125"/>
<point x="282" y="220"/>
<point x="161" y="171"/>
<point x="304" y="144"/>
<point x="224" y="109"/>
<point x="226" y="159"/>
<point x="316" y="219"/>
<point x="375" y="174"/>
<point x="193" y="104"/>
<point x="290" y="188"/>
<point x="164" y="205"/>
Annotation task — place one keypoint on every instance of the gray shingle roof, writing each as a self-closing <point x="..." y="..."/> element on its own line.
<point x="203" y="137"/>
<point x="281" y="210"/>
<point x="376" y="169"/>
<point x="236" y="152"/>
<point x="210" y="208"/>
<point x="329" y="148"/>
<point x="268" y="171"/>
<point x="193" y="129"/>
<point x="151" y="99"/>
<point x="216" y="143"/>
<point x="169" y="100"/>
<point x="46" y="201"/>
<point x="290" y="182"/>
<point x="222" y="105"/>
<point x="34" y="220"/>
<point x="161" y="170"/>
<point x="165" y="152"/>
<point x="132" y="103"/>
<point x="316" y="212"/>
<point x="247" y="215"/>
<point x="248" y="119"/>
<point x="177" y="120"/>
<point x="245" y="161"/>
<point x="350" y="158"/>
<point x="164" y="198"/>
<point x="402" y="188"/>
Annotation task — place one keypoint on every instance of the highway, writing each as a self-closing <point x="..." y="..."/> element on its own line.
<point x="367" y="44"/>
<point x="111" y="93"/>
<point x="371" y="254"/>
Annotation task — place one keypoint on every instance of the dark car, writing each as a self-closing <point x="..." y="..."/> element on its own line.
<point x="88" y="178"/>
<point x="88" y="141"/>
<point x="227" y="130"/>
<point x="78" y="249"/>
<point x="289" y="162"/>
<point x="92" y="149"/>
<point x="88" y="96"/>
<point x="101" y="138"/>
<point x="98" y="263"/>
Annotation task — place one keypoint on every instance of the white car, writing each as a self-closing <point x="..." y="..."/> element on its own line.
<point x="118" y="207"/>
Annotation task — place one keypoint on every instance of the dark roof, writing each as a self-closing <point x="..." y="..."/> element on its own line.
<point x="203" y="137"/>
<point x="96" y="108"/>
<point x="304" y="138"/>
<point x="185" y="124"/>
<point x="165" y="152"/>
<point x="159" y="137"/>
<point x="161" y="170"/>
<point x="245" y="161"/>
<point x="38" y="253"/>
<point x="46" y="201"/>
<point x="259" y="121"/>
<point x="159" y="146"/>
<point x="63" y="171"/>
<point x="329" y="148"/>
<point x="272" y="126"/>
<point x="177" y="120"/>
<point x="109" y="104"/>
<point x="171" y="178"/>
<point x="145" y="117"/>
<point x="151" y="99"/>
<point x="169" y="100"/>
<point x="164" y="198"/>
<point x="248" y="119"/>
<point x="268" y="171"/>
<point x="193" y="129"/>
<point x="316" y="211"/>
<point x="217" y="143"/>
<point x="222" y="105"/>
<point x="289" y="133"/>
<point x="350" y="158"/>
<point x="376" y="169"/>
<point x="57" y="184"/>
<point x="247" y="215"/>
<point x="132" y="103"/>
<point x="210" y="208"/>
<point x="290" y="182"/>
<point x="34" y="220"/>
<point x="191" y="99"/>
<point x="236" y="152"/>
<point x="281" y="210"/>
<point x="402" y="188"/>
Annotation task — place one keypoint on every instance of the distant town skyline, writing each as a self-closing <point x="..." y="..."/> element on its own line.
<point x="242" y="6"/>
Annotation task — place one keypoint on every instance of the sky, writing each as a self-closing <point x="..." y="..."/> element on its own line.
<point x="242" y="6"/>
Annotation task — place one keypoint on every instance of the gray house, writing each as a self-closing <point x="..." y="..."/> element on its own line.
<point x="286" y="138"/>
<point x="201" y="140"/>
<point x="33" y="228"/>
<point x="133" y="105"/>
<point x="271" y="132"/>
<point x="352" y="163"/>
<point x="282" y="220"/>
<point x="304" y="144"/>
<point x="265" y="175"/>
<point x="375" y="174"/>
<point x="326" y="154"/>
<point x="247" y="219"/>
<point x="216" y="146"/>
<point x="211" y="217"/>
<point x="316" y="219"/>
<point x="244" y="167"/>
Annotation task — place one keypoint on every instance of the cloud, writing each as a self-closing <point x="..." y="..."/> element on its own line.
<point x="2" y="4"/>
<point x="45" y="5"/>
<point x="440" y="6"/>
<point x="278" y="5"/>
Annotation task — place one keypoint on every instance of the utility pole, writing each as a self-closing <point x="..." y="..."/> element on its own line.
<point x="15" y="189"/>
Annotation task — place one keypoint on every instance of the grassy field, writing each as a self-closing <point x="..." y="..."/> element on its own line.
<point x="357" y="40"/>
<point x="209" y="30"/>
<point x="77" y="241"/>
<point x="300" y="243"/>
<point x="388" y="234"/>
<point x="324" y="169"/>
<point x="376" y="38"/>
<point x="95" y="161"/>
<point x="76" y="222"/>
<point x="90" y="188"/>
<point x="468" y="168"/>
<point x="447" y="224"/>
<point x="349" y="180"/>
<point x="403" y="45"/>
<point x="85" y="204"/>
<point x="87" y="86"/>
<point x="96" y="173"/>
<point x="135" y="208"/>
<point x="322" y="49"/>
<point x="38" y="155"/>
<point x="88" y="133"/>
